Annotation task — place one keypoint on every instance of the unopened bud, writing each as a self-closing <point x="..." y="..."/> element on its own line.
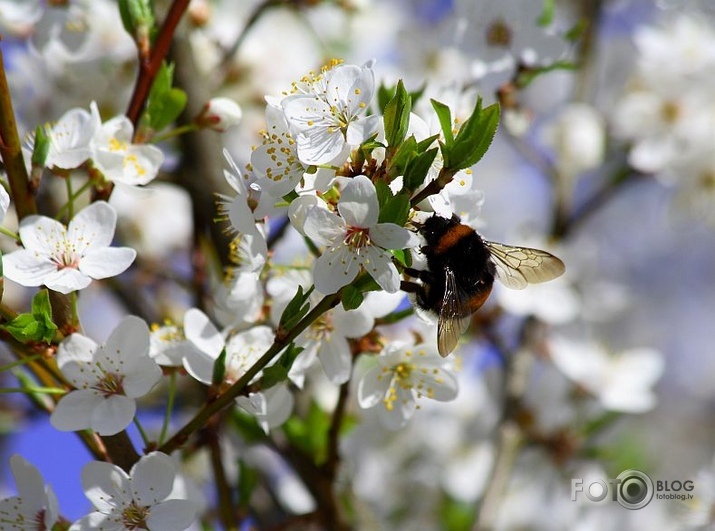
<point x="219" y="114"/>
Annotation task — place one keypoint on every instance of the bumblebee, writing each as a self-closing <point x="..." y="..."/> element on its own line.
<point x="461" y="268"/>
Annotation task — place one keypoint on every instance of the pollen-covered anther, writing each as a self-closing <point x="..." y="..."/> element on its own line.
<point x="357" y="238"/>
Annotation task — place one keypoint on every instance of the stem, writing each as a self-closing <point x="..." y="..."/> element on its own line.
<point x="120" y="450"/>
<point x="169" y="407"/>
<point x="149" y="68"/>
<point x="186" y="128"/>
<point x="11" y="151"/>
<point x="82" y="189"/>
<point x="210" y="409"/>
<point x="21" y="361"/>
<point x="227" y="513"/>
<point x="333" y="457"/>
<point x="143" y="434"/>
<point x="70" y="197"/>
<point x="11" y="234"/>
<point x="30" y="389"/>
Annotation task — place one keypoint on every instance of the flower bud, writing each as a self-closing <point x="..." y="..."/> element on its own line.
<point x="219" y="114"/>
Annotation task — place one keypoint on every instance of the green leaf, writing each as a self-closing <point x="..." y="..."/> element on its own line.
<point x="404" y="153"/>
<point x="36" y="325"/>
<point x="577" y="31"/>
<point x="547" y="14"/>
<point x="310" y="434"/>
<point x="165" y="103"/>
<point x="278" y="372"/>
<point x="397" y="116"/>
<point x="396" y="210"/>
<point x="384" y="95"/>
<point x="417" y="169"/>
<point x="219" y="368"/>
<point x="351" y="297"/>
<point x="138" y="17"/>
<point x="296" y="309"/>
<point x="384" y="194"/>
<point x="41" y="147"/>
<point x="444" y="115"/>
<point x="474" y="138"/>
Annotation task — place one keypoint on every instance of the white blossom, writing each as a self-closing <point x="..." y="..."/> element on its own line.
<point x="402" y="375"/>
<point x="621" y="382"/>
<point x="354" y="240"/>
<point x="66" y="259"/>
<point x="107" y="377"/>
<point x="330" y="117"/>
<point x="35" y="506"/>
<point x="138" y="500"/>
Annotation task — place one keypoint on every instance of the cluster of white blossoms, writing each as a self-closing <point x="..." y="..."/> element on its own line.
<point x="667" y="112"/>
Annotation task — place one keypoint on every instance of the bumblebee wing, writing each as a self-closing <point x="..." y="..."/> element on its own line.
<point x="519" y="266"/>
<point x="452" y="320"/>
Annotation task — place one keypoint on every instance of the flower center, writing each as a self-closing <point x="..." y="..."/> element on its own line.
<point x="322" y="327"/>
<point x="66" y="255"/>
<point x="111" y="384"/>
<point x="401" y="377"/>
<point x="357" y="238"/>
<point x="134" y="516"/>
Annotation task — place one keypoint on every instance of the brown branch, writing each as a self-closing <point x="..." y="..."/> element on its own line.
<point x="11" y="151"/>
<point x="149" y="68"/>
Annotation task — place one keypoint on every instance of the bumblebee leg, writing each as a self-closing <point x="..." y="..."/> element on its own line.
<point x="411" y="287"/>
<point x="424" y="276"/>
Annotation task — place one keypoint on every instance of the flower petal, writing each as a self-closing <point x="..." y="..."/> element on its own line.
<point x="172" y="515"/>
<point x="323" y="226"/>
<point x="74" y="358"/>
<point x="27" y="267"/>
<point x="106" y="485"/>
<point x="128" y="342"/>
<point x="202" y="333"/>
<point x="30" y="485"/>
<point x="380" y="267"/>
<point x="334" y="354"/>
<point x="112" y="414"/>
<point x="358" y="203"/>
<point x="373" y="387"/>
<point x="67" y="280"/>
<point x="107" y="262"/>
<point x="392" y="236"/>
<point x="74" y="410"/>
<point x="41" y="234"/>
<point x="152" y="478"/>
<point x="93" y="226"/>
<point x="335" y="268"/>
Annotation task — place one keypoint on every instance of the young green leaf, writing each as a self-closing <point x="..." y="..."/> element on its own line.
<point x="165" y="103"/>
<point x="444" y="115"/>
<point x="396" y="210"/>
<point x="474" y="138"/>
<point x="397" y="116"/>
<point x="296" y="309"/>
<point x="351" y="297"/>
<point x="41" y="147"/>
<point x="37" y="325"/>
<point x="219" y="369"/>
<point x="417" y="169"/>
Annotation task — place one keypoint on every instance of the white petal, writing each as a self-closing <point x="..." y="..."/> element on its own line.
<point x="353" y="323"/>
<point x="373" y="387"/>
<point x="202" y="333"/>
<point x="392" y="236"/>
<point x="299" y="208"/>
<point x="172" y="515"/>
<point x="141" y="164"/>
<point x="30" y="485"/>
<point x="141" y="377"/>
<point x="105" y="485"/>
<point x="128" y="341"/>
<point x="27" y="268"/>
<point x="358" y="203"/>
<point x="241" y="216"/>
<point x="380" y="267"/>
<point x="67" y="280"/>
<point x="74" y="410"/>
<point x="41" y="234"/>
<point x="98" y="522"/>
<point x="402" y="410"/>
<point x="107" y="262"/>
<point x="112" y="414"/>
<point x="335" y="356"/>
<point x="323" y="226"/>
<point x="335" y="268"/>
<point x="75" y="357"/>
<point x="4" y="202"/>
<point x="321" y="145"/>
<point x="93" y="226"/>
<point x="152" y="478"/>
<point x="436" y="383"/>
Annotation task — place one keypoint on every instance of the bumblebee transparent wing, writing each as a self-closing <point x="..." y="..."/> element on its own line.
<point x="519" y="266"/>
<point x="453" y="315"/>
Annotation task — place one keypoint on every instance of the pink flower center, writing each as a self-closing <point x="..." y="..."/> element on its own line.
<point x="110" y="384"/>
<point x="357" y="237"/>
<point x="66" y="255"/>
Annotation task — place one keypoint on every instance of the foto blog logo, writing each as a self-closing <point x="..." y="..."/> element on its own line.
<point x="632" y="488"/>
